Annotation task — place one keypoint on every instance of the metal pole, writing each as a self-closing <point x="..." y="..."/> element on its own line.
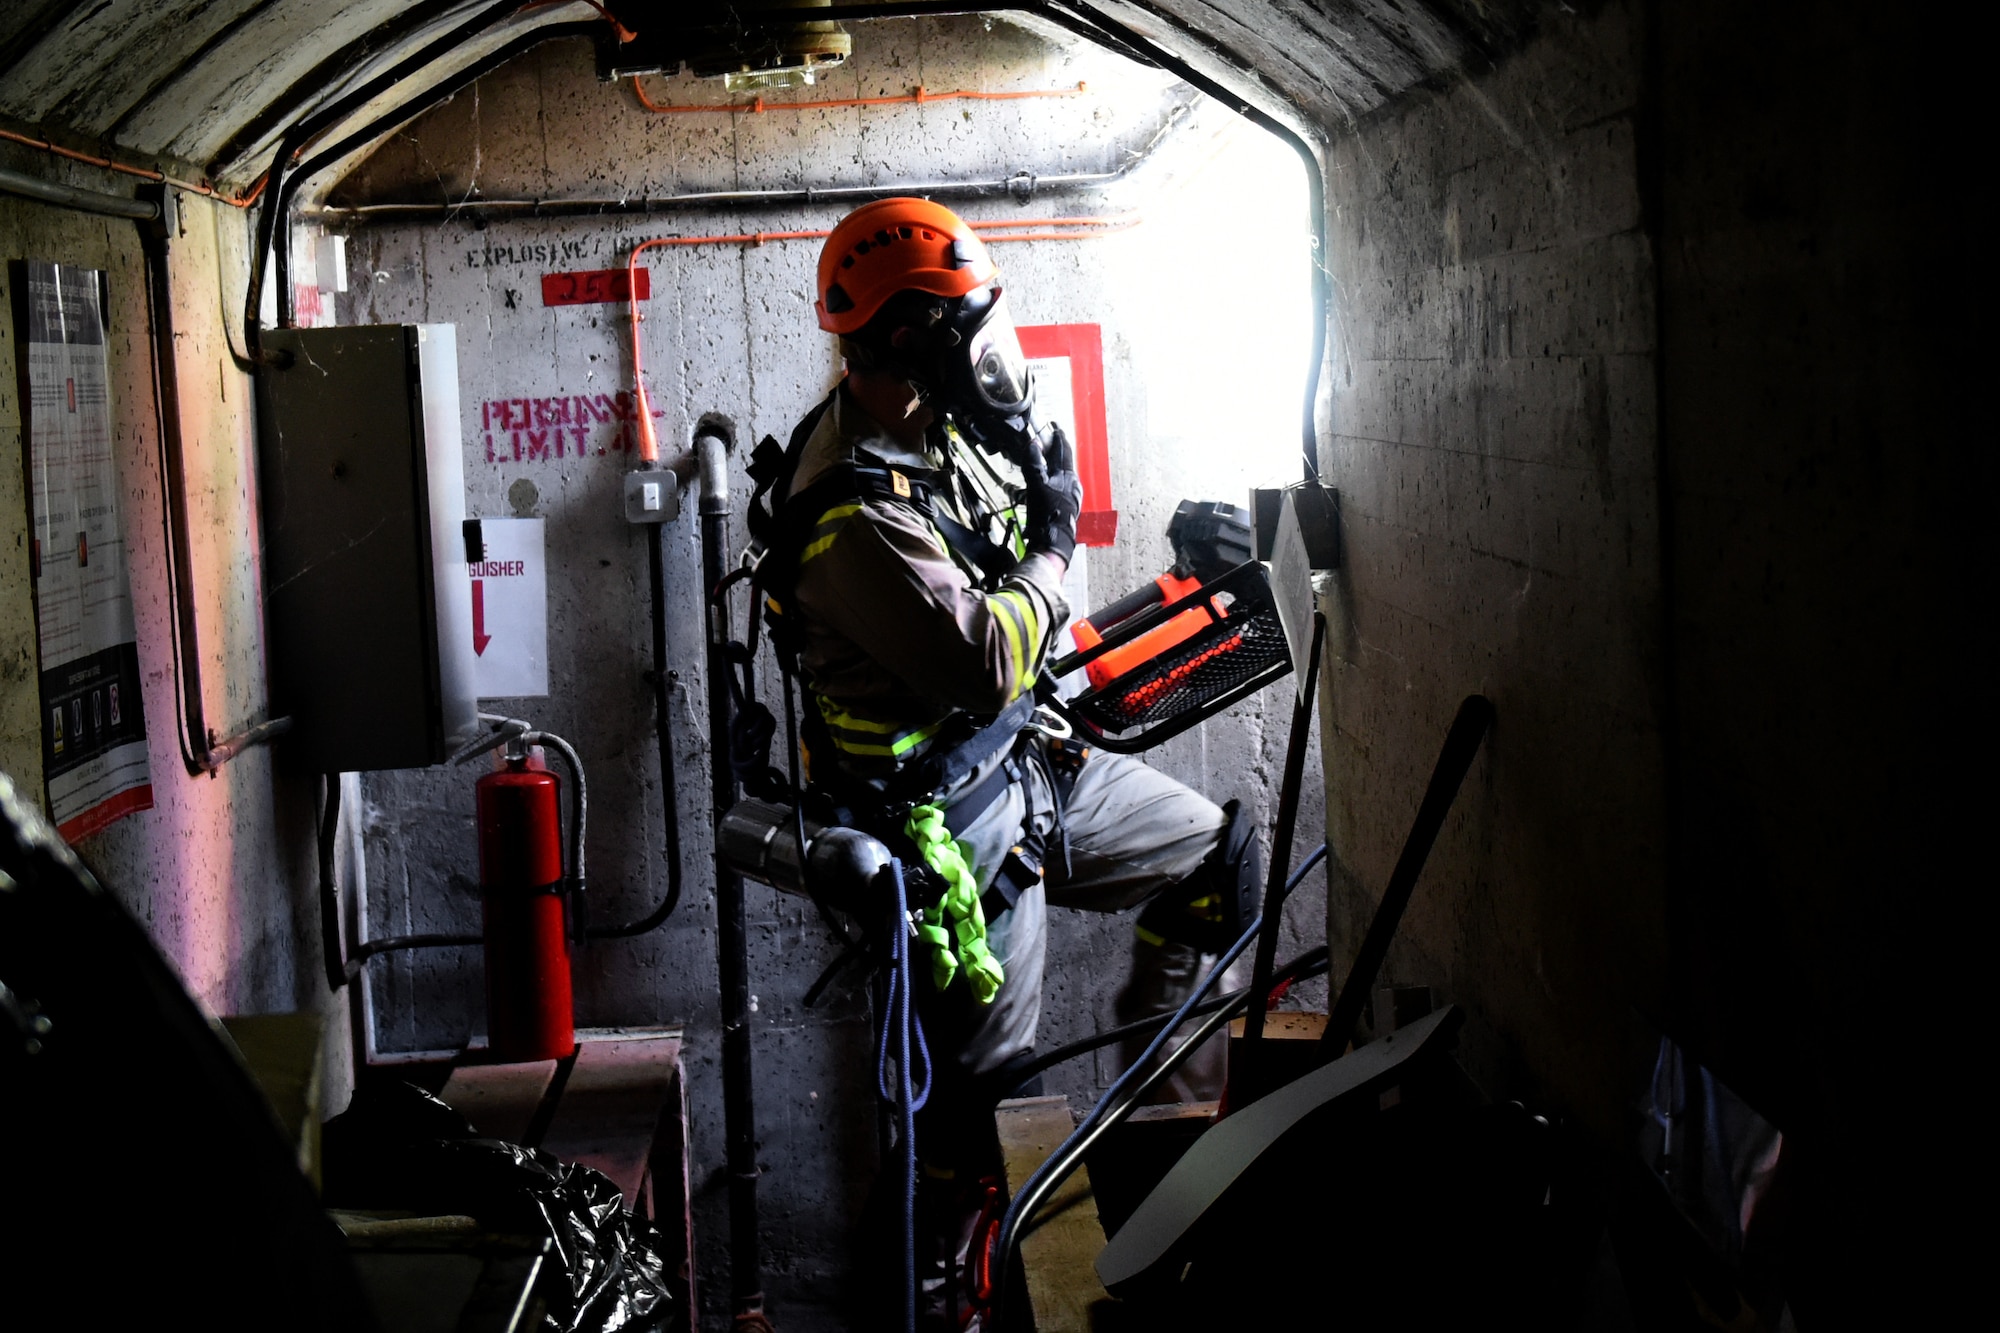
<point x="1245" y="1086"/>
<point x="69" y="196"/>
<point x="1461" y="747"/>
<point x="746" y="1286"/>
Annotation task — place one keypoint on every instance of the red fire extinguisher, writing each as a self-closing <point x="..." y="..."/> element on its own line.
<point x="529" y="1014"/>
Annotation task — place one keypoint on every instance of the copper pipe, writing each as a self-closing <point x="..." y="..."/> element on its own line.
<point x="143" y="173"/>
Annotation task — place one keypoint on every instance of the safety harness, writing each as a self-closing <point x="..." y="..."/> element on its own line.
<point x="903" y="810"/>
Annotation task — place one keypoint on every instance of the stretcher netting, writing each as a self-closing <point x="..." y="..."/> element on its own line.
<point x="1193" y="674"/>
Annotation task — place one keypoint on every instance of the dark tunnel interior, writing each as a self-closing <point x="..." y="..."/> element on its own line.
<point x="1522" y="450"/>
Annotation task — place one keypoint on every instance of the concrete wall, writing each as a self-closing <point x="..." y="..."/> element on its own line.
<point x="1825" y="470"/>
<point x="221" y="870"/>
<point x="1648" y="416"/>
<point x="1494" y="443"/>
<point x="729" y="329"/>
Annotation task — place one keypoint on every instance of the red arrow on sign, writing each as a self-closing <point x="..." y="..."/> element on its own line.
<point x="480" y="638"/>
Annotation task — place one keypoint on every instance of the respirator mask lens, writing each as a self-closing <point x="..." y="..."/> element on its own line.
<point x="999" y="369"/>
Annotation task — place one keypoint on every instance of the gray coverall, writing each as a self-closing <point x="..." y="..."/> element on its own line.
<point x="896" y="636"/>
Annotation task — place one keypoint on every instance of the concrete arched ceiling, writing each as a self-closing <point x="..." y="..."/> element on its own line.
<point x="215" y="83"/>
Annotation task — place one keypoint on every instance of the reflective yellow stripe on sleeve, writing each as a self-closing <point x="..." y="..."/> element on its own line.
<point x="826" y="530"/>
<point x="1001" y="606"/>
<point x="1023" y="626"/>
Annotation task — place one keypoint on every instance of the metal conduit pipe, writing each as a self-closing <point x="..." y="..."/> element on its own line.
<point x="1021" y="186"/>
<point x="69" y="196"/>
<point x="746" y="1285"/>
<point x="201" y="751"/>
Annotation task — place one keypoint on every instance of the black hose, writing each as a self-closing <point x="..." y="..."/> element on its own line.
<point x="579" y="815"/>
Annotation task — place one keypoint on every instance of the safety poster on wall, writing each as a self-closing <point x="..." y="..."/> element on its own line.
<point x="93" y="721"/>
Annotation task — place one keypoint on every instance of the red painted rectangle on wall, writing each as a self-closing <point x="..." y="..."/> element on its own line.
<point x="1083" y="345"/>
<point x="596" y="287"/>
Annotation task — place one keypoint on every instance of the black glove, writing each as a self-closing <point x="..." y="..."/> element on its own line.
<point x="1055" y="497"/>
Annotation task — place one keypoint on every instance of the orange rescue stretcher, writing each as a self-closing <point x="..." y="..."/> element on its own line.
<point x="1170" y="655"/>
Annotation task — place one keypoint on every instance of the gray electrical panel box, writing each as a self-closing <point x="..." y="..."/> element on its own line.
<point x="369" y="609"/>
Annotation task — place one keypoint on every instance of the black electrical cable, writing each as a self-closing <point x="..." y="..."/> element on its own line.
<point x="282" y="193"/>
<point x="1299" y="967"/>
<point x="1119" y="1102"/>
<point x="1155" y="54"/>
<point x="1245" y="1079"/>
<point x="662" y="680"/>
<point x="309" y="126"/>
<point x="1053" y="1168"/>
<point x="342" y="968"/>
<point x="1312" y="963"/>
<point x="1071" y="1153"/>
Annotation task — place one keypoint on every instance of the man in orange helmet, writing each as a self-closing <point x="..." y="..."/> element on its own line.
<point x="923" y="525"/>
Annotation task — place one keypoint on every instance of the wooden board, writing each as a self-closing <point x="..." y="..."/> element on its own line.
<point x="1058" y="1256"/>
<point x="499" y="1100"/>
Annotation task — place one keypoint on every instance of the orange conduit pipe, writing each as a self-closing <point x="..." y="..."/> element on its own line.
<point x="649" y="440"/>
<point x="920" y="96"/>
<point x="143" y="173"/>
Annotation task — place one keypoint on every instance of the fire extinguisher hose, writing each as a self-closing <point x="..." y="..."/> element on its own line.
<point x="579" y="815"/>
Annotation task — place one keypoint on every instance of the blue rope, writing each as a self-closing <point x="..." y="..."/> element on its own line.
<point x="899" y="1021"/>
<point x="896" y="1015"/>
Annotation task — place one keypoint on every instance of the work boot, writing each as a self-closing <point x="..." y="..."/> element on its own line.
<point x="1164" y="973"/>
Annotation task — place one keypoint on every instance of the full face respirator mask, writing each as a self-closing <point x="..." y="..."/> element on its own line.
<point x="965" y="359"/>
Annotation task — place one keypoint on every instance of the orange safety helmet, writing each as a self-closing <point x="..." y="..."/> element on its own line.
<point x="891" y="246"/>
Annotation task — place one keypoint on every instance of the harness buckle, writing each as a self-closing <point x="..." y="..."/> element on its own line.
<point x="1056" y="727"/>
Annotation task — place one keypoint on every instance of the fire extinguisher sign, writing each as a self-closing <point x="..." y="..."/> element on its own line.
<point x="510" y="610"/>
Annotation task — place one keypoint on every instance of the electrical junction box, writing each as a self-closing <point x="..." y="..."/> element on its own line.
<point x="366" y="600"/>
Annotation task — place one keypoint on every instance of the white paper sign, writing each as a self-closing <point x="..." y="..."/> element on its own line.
<point x="510" y="611"/>
<point x="1055" y="399"/>
<point x="94" y="756"/>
